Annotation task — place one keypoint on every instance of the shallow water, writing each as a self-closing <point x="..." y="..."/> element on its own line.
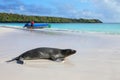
<point x="111" y="28"/>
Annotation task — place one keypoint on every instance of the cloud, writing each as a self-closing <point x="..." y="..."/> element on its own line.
<point x="17" y="6"/>
<point x="66" y="10"/>
<point x="10" y="5"/>
<point x="10" y="1"/>
<point x="110" y="9"/>
<point x="105" y="10"/>
<point x="22" y="8"/>
<point x="113" y="5"/>
<point x="37" y="10"/>
<point x="71" y="11"/>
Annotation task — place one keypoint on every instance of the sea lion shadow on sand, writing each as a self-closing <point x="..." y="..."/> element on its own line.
<point x="53" y="54"/>
<point x="48" y="64"/>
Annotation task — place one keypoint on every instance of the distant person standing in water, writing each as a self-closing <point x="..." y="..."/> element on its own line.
<point x="32" y="24"/>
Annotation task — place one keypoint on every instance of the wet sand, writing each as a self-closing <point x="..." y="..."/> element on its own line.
<point x="97" y="57"/>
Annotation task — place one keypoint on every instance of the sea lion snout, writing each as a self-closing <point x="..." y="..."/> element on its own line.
<point x="74" y="51"/>
<point x="68" y="52"/>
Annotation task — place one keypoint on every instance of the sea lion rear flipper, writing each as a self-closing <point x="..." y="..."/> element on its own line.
<point x="13" y="59"/>
<point x="20" y="62"/>
<point x="18" y="59"/>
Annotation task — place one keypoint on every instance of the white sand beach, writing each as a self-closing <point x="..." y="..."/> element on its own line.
<point x="97" y="57"/>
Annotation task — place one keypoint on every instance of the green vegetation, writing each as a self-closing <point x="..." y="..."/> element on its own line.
<point x="9" y="17"/>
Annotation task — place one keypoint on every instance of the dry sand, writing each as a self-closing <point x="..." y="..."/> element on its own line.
<point x="97" y="57"/>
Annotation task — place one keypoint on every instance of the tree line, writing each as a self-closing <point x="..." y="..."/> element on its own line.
<point x="9" y="17"/>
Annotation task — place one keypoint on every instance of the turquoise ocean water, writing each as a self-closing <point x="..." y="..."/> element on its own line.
<point x="111" y="28"/>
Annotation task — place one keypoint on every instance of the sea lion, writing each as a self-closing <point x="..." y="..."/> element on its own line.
<point x="53" y="54"/>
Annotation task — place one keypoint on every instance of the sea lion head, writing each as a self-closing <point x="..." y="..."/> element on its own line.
<point x="68" y="52"/>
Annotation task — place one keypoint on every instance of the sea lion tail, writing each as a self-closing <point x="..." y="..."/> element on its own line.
<point x="13" y="59"/>
<point x="19" y="61"/>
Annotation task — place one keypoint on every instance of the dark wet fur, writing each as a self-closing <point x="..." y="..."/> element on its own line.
<point x="53" y="54"/>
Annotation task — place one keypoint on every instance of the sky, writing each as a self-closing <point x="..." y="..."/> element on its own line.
<point x="107" y="11"/>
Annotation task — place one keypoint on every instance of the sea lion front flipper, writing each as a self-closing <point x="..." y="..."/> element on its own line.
<point x="59" y="59"/>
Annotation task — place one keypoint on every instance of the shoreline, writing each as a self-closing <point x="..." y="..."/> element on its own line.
<point x="97" y="55"/>
<point x="66" y="31"/>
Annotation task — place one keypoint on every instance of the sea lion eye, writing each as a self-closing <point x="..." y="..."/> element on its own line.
<point x="74" y="51"/>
